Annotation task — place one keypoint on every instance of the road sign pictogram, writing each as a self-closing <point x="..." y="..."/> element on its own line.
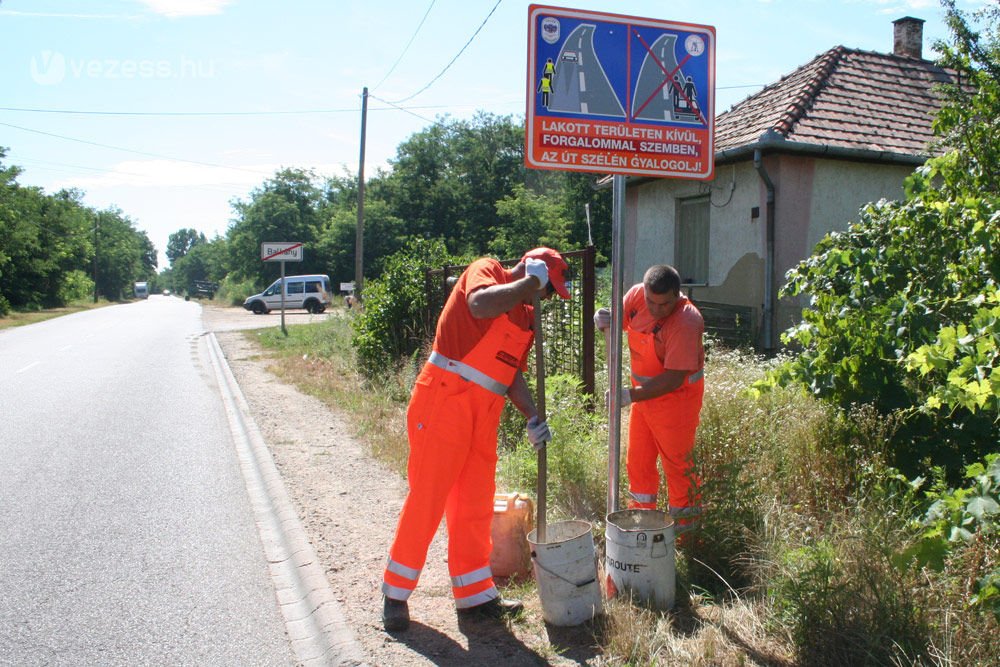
<point x="617" y="94"/>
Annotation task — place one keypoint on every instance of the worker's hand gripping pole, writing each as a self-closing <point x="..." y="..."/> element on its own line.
<point x="540" y="490"/>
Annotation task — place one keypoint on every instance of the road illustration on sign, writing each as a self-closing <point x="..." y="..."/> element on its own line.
<point x="619" y="94"/>
<point x="580" y="84"/>
<point x="663" y="92"/>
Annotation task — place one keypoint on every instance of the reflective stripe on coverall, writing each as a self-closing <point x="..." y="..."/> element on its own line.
<point x="664" y="426"/>
<point x="452" y="427"/>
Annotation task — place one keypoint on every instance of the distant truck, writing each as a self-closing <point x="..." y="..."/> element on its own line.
<point x="141" y="290"/>
<point x="205" y="288"/>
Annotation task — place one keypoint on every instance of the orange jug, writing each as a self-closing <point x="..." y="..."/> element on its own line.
<point x="512" y="521"/>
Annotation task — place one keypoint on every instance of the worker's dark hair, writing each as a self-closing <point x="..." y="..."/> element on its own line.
<point x="662" y="279"/>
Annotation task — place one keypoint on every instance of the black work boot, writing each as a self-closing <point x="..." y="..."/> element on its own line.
<point x="496" y="608"/>
<point x="395" y="614"/>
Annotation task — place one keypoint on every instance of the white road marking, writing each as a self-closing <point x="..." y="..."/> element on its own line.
<point x="29" y="366"/>
<point x="583" y="83"/>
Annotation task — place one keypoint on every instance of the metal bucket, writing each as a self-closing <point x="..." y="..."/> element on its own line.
<point x="566" y="571"/>
<point x="640" y="556"/>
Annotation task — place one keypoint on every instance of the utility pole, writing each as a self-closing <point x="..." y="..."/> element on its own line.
<point x="359" y="242"/>
<point x="96" y="220"/>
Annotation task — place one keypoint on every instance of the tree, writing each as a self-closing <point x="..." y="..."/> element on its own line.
<point x="529" y="220"/>
<point x="180" y="243"/>
<point x="447" y="179"/>
<point x="391" y="326"/>
<point x="904" y="308"/>
<point x="285" y="208"/>
<point x="122" y="254"/>
<point x="204" y="261"/>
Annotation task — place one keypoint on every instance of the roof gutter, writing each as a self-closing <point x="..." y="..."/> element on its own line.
<point x="773" y="142"/>
<point x="769" y="300"/>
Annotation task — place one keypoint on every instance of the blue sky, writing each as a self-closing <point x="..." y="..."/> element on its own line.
<point x="200" y="101"/>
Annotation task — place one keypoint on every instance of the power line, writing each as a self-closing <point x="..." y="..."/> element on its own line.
<point x="453" y="59"/>
<point x="405" y="48"/>
<point x="88" y="112"/>
<point x="74" y="168"/>
<point x="403" y="109"/>
<point x="129" y="150"/>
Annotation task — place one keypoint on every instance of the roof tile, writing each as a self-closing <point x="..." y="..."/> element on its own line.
<point x="846" y="98"/>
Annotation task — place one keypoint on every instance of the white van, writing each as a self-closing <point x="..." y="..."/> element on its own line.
<point x="141" y="290"/>
<point x="309" y="292"/>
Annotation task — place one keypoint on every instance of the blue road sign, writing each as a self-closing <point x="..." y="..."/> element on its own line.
<point x="619" y="94"/>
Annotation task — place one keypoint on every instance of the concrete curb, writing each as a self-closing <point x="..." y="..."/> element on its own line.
<point x="316" y="627"/>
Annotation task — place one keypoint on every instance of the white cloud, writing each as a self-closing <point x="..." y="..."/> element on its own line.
<point x="178" y="8"/>
<point x="170" y="173"/>
<point x="174" y="174"/>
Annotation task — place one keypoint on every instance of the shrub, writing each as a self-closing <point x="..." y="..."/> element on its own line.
<point x="234" y="291"/>
<point x="76" y="285"/>
<point x="391" y="326"/>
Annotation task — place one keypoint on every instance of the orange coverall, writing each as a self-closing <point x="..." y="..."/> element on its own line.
<point x="452" y="422"/>
<point x="665" y="426"/>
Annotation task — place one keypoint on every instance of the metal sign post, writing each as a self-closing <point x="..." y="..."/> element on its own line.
<point x="281" y="252"/>
<point x="621" y="95"/>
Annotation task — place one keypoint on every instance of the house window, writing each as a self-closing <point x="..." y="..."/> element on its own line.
<point x="691" y="255"/>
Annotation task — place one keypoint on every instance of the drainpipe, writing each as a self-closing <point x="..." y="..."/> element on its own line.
<point x="768" y="323"/>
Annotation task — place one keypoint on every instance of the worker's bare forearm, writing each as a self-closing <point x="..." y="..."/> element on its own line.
<point x="496" y="300"/>
<point x="664" y="383"/>
<point x="520" y="396"/>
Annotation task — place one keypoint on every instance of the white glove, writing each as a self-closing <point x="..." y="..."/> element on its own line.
<point x="626" y="398"/>
<point x="538" y="433"/>
<point x="537" y="268"/>
<point x="602" y="319"/>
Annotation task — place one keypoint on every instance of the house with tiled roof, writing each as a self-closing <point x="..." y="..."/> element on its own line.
<point x="793" y="162"/>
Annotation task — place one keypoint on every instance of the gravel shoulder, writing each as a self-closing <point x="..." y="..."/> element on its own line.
<point x="348" y="504"/>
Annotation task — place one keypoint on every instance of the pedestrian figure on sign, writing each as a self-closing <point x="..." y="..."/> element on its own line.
<point x="691" y="93"/>
<point x="545" y="88"/>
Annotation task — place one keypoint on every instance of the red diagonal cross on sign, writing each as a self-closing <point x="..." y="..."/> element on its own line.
<point x="282" y="251"/>
<point x="669" y="79"/>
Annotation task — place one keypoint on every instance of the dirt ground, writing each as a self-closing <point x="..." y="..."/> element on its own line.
<point x="349" y="503"/>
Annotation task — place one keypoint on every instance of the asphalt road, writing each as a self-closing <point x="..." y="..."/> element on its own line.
<point x="126" y="535"/>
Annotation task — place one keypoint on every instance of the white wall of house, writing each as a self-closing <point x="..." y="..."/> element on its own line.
<point x="813" y="198"/>
<point x="734" y="233"/>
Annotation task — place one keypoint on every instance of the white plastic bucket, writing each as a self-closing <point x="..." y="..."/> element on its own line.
<point x="566" y="571"/>
<point x="640" y="556"/>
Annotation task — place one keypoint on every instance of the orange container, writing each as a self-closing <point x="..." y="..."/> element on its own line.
<point x="513" y="516"/>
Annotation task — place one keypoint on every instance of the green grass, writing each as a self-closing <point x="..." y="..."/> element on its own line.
<point x="798" y="557"/>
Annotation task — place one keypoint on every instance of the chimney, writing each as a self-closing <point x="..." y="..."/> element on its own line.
<point x="908" y="37"/>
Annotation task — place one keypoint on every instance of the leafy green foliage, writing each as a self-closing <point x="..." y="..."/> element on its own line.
<point x="958" y="516"/>
<point x="903" y="306"/>
<point x="53" y="243"/>
<point x="529" y="220"/>
<point x="576" y="458"/>
<point x="202" y="261"/>
<point x="446" y="180"/>
<point x="391" y="326"/>
<point x="285" y="208"/>
<point x="181" y="242"/>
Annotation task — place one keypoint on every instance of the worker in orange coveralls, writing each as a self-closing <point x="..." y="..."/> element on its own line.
<point x="665" y="333"/>
<point x="481" y="345"/>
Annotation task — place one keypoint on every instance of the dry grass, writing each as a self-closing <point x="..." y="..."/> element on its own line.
<point x="19" y="319"/>
<point x="796" y="559"/>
